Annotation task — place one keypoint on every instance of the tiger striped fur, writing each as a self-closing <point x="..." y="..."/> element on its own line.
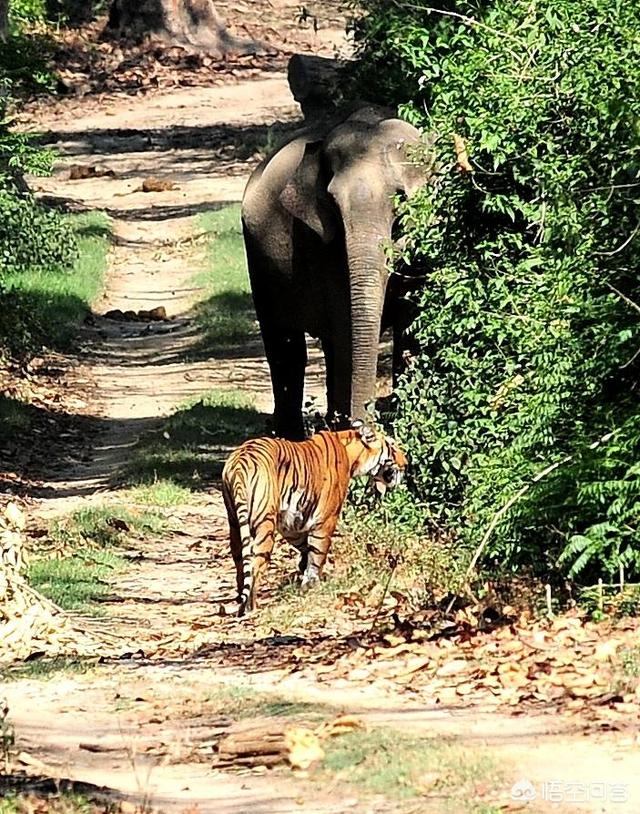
<point x="296" y="489"/>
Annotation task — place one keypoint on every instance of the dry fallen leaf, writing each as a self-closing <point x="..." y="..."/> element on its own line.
<point x="303" y="747"/>
<point x="339" y="725"/>
<point x="452" y="668"/>
<point x="15" y="516"/>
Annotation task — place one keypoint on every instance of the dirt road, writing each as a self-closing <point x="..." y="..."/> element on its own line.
<point x="137" y="725"/>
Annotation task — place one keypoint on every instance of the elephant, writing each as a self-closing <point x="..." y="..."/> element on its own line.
<point x="317" y="217"/>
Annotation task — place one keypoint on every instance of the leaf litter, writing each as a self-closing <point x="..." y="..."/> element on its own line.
<point x="518" y="661"/>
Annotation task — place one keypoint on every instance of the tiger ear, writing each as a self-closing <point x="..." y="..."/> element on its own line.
<point x="364" y="431"/>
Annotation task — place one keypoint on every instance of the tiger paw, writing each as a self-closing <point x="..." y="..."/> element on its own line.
<point x="311" y="577"/>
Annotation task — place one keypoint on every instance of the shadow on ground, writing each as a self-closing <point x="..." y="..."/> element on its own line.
<point x="42" y="790"/>
<point x="192" y="444"/>
<point x="239" y="142"/>
<point x="48" y="452"/>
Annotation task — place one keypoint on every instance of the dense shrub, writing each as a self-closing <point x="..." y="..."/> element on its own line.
<point x="23" y="12"/>
<point x="37" y="246"/>
<point x="529" y="317"/>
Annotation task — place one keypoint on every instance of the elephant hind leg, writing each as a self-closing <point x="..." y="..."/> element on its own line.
<point x="287" y="357"/>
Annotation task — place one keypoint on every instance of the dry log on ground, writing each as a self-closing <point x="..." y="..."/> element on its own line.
<point x="253" y="745"/>
<point x="268" y="744"/>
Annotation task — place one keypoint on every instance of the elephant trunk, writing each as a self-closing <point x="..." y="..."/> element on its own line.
<point x="368" y="280"/>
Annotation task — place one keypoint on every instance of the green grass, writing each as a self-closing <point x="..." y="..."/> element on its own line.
<point x="62" y="802"/>
<point x="16" y="418"/>
<point x="77" y="582"/>
<point x="225" y="315"/>
<point x="48" y="304"/>
<point x="89" y="540"/>
<point x="190" y="449"/>
<point x="631" y="662"/>
<point x="242" y="702"/>
<point x="386" y="761"/>
<point x="160" y="492"/>
<point x="45" y="668"/>
<point x="627" y="671"/>
<point x="365" y="558"/>
<point x="103" y="526"/>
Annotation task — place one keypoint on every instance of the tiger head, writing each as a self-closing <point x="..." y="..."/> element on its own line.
<point x="382" y="459"/>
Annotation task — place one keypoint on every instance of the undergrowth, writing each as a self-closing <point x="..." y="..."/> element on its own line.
<point x="242" y="702"/>
<point x="524" y="395"/>
<point x="61" y="802"/>
<point x="400" y="765"/>
<point x="102" y="527"/>
<point x="77" y="582"/>
<point x="87" y="546"/>
<point x="49" y="295"/>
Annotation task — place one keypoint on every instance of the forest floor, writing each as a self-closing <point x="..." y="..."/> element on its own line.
<point x="142" y="725"/>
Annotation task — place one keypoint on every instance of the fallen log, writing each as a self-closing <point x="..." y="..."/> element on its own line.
<point x="253" y="741"/>
<point x="268" y="744"/>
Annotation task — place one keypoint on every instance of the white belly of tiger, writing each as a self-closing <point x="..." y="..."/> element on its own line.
<point x="291" y="520"/>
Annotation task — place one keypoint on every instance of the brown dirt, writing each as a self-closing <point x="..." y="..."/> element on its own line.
<point x="141" y="716"/>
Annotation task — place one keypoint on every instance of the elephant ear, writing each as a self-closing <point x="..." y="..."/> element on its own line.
<point x="305" y="195"/>
<point x="409" y="174"/>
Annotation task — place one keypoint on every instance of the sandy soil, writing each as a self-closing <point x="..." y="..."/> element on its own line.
<point x="131" y="726"/>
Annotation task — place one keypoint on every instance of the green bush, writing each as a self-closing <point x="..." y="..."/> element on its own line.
<point x="44" y="303"/>
<point x="27" y="11"/>
<point x="528" y="321"/>
<point x="31" y="236"/>
<point x="46" y="284"/>
<point x="24" y="63"/>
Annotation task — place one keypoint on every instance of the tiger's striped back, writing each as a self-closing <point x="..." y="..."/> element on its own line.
<point x="296" y="489"/>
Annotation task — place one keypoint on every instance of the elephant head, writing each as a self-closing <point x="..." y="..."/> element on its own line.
<point x="346" y="184"/>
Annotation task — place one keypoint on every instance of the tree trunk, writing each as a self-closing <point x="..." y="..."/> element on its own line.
<point x="4" y="20"/>
<point x="194" y="23"/>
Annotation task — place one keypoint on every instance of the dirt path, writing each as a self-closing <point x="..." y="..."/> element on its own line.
<point x="200" y="142"/>
<point x="137" y="725"/>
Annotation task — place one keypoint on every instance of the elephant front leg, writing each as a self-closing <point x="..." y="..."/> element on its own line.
<point x="337" y="357"/>
<point x="287" y="357"/>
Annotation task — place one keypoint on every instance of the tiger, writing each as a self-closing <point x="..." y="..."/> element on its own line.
<point x="296" y="489"/>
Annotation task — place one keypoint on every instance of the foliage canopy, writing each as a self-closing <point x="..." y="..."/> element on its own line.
<point x="528" y="319"/>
